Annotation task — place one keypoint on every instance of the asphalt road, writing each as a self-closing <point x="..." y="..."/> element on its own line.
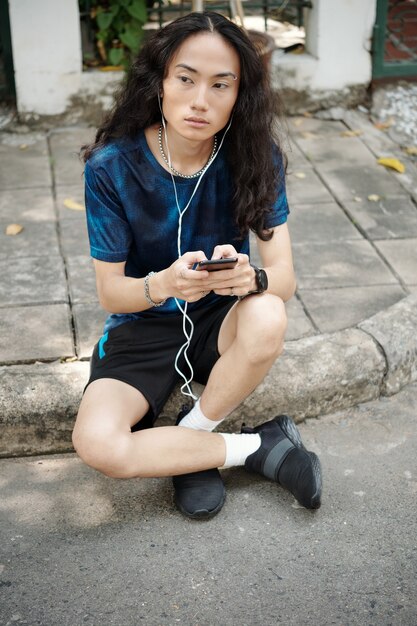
<point x="81" y="549"/>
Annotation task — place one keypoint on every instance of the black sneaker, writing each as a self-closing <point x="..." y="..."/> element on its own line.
<point x="199" y="495"/>
<point x="283" y="458"/>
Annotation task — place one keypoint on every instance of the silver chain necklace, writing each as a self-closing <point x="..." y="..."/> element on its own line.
<point x="176" y="172"/>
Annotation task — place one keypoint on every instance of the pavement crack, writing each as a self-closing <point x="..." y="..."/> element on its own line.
<point x="61" y="251"/>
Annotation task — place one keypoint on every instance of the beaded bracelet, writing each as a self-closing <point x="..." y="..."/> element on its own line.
<point x="148" y="295"/>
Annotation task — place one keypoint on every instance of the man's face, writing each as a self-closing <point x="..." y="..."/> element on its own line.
<point x="201" y="86"/>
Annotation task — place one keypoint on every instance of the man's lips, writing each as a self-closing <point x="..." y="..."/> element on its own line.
<point x="197" y="120"/>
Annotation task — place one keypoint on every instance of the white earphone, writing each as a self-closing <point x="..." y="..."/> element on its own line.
<point x="186" y="387"/>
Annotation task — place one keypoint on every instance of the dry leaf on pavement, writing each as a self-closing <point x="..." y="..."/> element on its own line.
<point x="394" y="164"/>
<point x="384" y="125"/>
<point x="411" y="150"/>
<point x="69" y="203"/>
<point x="373" y="197"/>
<point x="351" y="133"/>
<point x="308" y="135"/>
<point x="13" y="229"/>
<point x="299" y="174"/>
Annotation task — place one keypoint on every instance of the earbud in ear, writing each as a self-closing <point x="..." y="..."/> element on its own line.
<point x="160" y="106"/>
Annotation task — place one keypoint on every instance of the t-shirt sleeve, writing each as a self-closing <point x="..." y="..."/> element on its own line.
<point x="280" y="209"/>
<point x="109" y="231"/>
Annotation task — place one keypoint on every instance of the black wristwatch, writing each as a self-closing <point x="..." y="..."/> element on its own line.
<point x="261" y="280"/>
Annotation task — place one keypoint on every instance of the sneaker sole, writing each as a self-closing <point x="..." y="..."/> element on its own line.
<point x="291" y="431"/>
<point x="201" y="513"/>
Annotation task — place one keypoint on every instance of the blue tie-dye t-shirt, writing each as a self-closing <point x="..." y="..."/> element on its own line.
<point x="132" y="214"/>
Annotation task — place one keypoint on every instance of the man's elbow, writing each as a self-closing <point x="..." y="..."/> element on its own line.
<point x="105" y="300"/>
<point x="290" y="292"/>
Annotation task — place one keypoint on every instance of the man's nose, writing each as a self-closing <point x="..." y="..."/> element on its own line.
<point x="200" y="98"/>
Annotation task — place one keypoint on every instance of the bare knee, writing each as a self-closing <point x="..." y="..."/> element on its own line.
<point x="104" y="451"/>
<point x="264" y="323"/>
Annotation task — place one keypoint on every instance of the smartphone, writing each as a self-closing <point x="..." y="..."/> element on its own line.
<point x="213" y="265"/>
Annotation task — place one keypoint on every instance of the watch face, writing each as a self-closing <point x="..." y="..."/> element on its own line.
<point x="263" y="280"/>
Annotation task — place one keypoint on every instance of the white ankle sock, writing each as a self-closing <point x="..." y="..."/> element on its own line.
<point x="239" y="447"/>
<point x="196" y="420"/>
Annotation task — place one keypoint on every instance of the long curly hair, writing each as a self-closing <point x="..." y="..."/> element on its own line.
<point x="253" y="133"/>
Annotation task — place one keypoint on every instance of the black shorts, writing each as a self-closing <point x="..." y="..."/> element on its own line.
<point x="142" y="353"/>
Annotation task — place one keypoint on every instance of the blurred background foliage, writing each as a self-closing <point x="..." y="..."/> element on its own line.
<point x="112" y="31"/>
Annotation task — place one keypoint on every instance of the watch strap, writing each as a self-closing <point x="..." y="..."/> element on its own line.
<point x="259" y="287"/>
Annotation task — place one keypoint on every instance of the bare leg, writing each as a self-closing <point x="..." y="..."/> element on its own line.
<point x="103" y="439"/>
<point x="250" y="340"/>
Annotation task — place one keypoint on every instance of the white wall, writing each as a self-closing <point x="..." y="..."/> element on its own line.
<point x="47" y="59"/>
<point x="338" y="44"/>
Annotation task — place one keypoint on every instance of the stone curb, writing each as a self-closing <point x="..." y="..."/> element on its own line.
<point x="314" y="376"/>
<point x="395" y="330"/>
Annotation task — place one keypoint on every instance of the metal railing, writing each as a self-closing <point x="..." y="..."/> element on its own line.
<point x="282" y="10"/>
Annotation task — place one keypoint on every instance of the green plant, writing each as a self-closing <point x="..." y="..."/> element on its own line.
<point x="118" y="26"/>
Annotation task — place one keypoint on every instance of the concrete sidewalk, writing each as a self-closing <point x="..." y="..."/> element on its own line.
<point x="353" y="324"/>
<point x="80" y="549"/>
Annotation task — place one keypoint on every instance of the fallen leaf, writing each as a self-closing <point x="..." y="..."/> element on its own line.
<point x="23" y="146"/>
<point x="298" y="121"/>
<point x="111" y="68"/>
<point x="69" y="359"/>
<point x="411" y="150"/>
<point x="351" y="133"/>
<point x="384" y="125"/>
<point x="394" y="164"/>
<point x="13" y="229"/>
<point x="357" y="199"/>
<point x="374" y="197"/>
<point x="69" y="203"/>
<point x="308" y="135"/>
<point x="307" y="114"/>
<point x="299" y="174"/>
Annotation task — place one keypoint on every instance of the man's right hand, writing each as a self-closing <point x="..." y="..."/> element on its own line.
<point x="179" y="280"/>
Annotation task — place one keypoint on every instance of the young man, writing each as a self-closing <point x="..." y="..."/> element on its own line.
<point x="182" y="169"/>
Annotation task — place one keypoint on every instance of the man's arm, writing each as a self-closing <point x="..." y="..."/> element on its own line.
<point x="123" y="294"/>
<point x="277" y="261"/>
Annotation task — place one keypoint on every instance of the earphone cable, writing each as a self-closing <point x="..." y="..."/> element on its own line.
<point x="186" y="389"/>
